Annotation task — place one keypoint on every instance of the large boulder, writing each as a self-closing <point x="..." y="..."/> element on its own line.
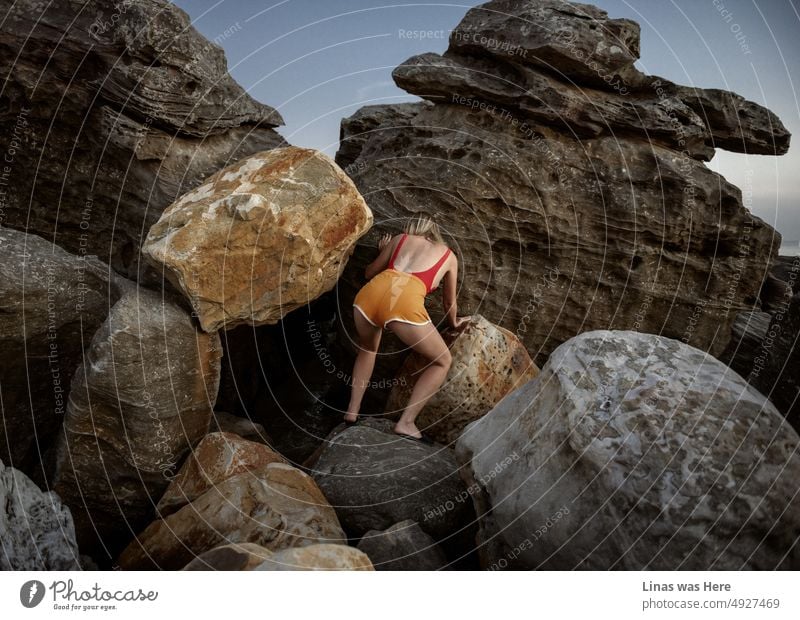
<point x="36" y="529"/>
<point x="276" y="506"/>
<point x="522" y="143"/>
<point x="51" y="303"/>
<point x="119" y="108"/>
<point x="216" y="458"/>
<point x="375" y="478"/>
<point x="261" y="237"/>
<point x="141" y="399"/>
<point x="634" y="451"/>
<point x="248" y="556"/>
<point x="488" y="363"/>
<point x="404" y="546"/>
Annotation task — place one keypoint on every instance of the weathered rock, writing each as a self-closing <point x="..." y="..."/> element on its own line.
<point x="260" y="238"/>
<point x="215" y="459"/>
<point x="36" y="530"/>
<point x="374" y="479"/>
<point x="276" y="507"/>
<point x="576" y="41"/>
<point x="223" y="422"/>
<point x="635" y="451"/>
<point x="488" y="363"/>
<point x="51" y="303"/>
<point x="120" y="109"/>
<point x="142" y="398"/>
<point x="236" y="556"/>
<point x="318" y="557"/>
<point x="776" y="366"/>
<point x="748" y="333"/>
<point x="404" y="546"/>
<point x="248" y="556"/>
<point x="530" y="94"/>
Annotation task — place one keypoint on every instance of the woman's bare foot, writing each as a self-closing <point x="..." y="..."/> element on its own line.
<point x="402" y="428"/>
<point x="350" y="417"/>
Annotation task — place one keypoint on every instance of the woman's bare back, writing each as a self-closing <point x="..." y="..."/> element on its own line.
<point x="419" y="254"/>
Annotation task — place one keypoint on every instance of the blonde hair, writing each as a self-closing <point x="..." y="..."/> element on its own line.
<point x="424" y="226"/>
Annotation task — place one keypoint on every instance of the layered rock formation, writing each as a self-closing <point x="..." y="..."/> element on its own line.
<point x="620" y="455"/>
<point x="261" y="237"/>
<point x="275" y="506"/>
<point x="546" y="152"/>
<point x="488" y="363"/>
<point x="141" y="399"/>
<point x="36" y="530"/>
<point x="51" y="303"/>
<point x="119" y="111"/>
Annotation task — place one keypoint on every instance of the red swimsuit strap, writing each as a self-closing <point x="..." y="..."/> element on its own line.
<point x="396" y="250"/>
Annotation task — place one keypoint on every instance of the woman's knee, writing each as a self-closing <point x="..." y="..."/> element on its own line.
<point x="445" y="359"/>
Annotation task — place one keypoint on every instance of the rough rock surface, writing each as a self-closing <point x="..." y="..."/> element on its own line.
<point x="141" y="399"/>
<point x="776" y="365"/>
<point x="488" y="363"/>
<point x="248" y="556"/>
<point x="216" y="458"/>
<point x="36" y="530"/>
<point x="223" y="422"/>
<point x="748" y="333"/>
<point x="51" y="303"/>
<point x="119" y="112"/>
<point x="610" y="197"/>
<point x="374" y="479"/>
<point x="634" y="451"/>
<point x="404" y="546"/>
<point x="261" y="237"/>
<point x="277" y="507"/>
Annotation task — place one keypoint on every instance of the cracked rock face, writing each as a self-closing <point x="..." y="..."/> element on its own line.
<point x="635" y="451"/>
<point x="119" y="107"/>
<point x="260" y="238"/>
<point x="488" y="363"/>
<point x="533" y="164"/>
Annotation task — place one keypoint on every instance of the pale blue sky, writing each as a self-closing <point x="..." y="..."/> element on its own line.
<point x="317" y="61"/>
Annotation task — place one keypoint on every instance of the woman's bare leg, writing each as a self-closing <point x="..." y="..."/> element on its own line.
<point x="369" y="339"/>
<point x="425" y="340"/>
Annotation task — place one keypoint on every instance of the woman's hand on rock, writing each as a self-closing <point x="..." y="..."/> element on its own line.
<point x="384" y="240"/>
<point x="462" y="322"/>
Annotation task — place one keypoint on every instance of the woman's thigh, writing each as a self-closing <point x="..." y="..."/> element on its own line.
<point x="424" y="339"/>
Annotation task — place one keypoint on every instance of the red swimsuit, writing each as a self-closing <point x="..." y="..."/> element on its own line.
<point x="426" y="276"/>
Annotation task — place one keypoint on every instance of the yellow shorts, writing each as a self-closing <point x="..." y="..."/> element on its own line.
<point x="393" y="296"/>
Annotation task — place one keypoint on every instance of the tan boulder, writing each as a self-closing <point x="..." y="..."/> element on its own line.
<point x="488" y="363"/>
<point x="249" y="556"/>
<point x="276" y="506"/>
<point x="261" y="237"/>
<point x="215" y="459"/>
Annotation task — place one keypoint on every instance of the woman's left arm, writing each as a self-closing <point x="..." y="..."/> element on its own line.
<point x="387" y="244"/>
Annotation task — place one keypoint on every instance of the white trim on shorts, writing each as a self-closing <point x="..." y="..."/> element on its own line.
<point x="364" y="314"/>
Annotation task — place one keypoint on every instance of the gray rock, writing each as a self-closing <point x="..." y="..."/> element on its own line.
<point x="36" y="530"/>
<point x="51" y="303"/>
<point x="776" y="365"/>
<point x="374" y="479"/>
<point x="119" y="108"/>
<point x="749" y="330"/>
<point x="404" y="546"/>
<point x="634" y="451"/>
<point x="142" y="398"/>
